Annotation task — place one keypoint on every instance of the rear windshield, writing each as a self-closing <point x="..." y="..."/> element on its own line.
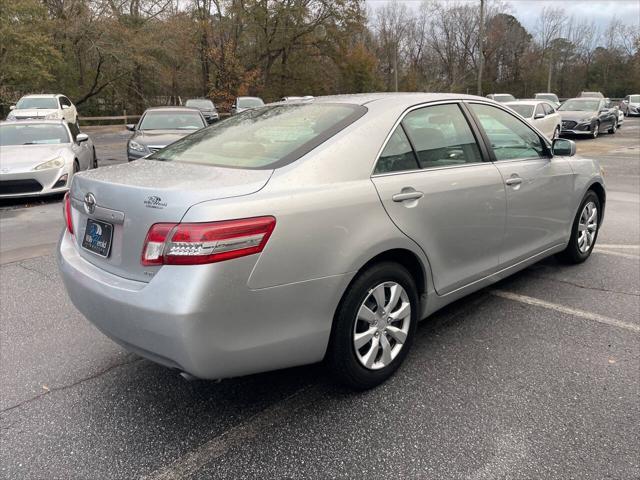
<point x="266" y="138"/>
<point x="250" y="102"/>
<point x="580" y="105"/>
<point x="32" y="134"/>
<point x="525" y="110"/>
<point x="207" y="104"/>
<point x="171" y="120"/>
<point x="37" y="102"/>
<point x="547" y="96"/>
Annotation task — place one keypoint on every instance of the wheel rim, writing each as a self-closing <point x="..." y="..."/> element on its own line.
<point x="587" y="227"/>
<point x="382" y="325"/>
<point x="596" y="130"/>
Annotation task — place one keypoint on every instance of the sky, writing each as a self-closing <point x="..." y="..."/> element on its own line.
<point x="527" y="11"/>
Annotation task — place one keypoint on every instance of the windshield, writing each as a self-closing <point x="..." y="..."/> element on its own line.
<point x="634" y="98"/>
<point x="32" y="134"/>
<point x="525" y="110"/>
<point x="171" y="120"/>
<point x="504" y="98"/>
<point x="591" y="95"/>
<point x="204" y="104"/>
<point x="547" y="96"/>
<point x="37" y="102"/>
<point x="580" y="105"/>
<point x="263" y="139"/>
<point x="250" y="102"/>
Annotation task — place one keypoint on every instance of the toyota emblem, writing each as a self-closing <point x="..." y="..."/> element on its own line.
<point x="89" y="203"/>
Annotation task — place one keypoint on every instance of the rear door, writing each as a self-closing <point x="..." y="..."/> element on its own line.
<point x="539" y="188"/>
<point x="436" y="187"/>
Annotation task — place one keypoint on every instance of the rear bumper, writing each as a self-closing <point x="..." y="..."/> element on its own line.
<point x="34" y="183"/>
<point x="205" y="320"/>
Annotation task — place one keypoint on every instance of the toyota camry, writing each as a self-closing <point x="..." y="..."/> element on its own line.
<point x="323" y="229"/>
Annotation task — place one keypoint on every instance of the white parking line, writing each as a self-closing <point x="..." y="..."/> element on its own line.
<point x="619" y="246"/>
<point x="185" y="466"/>
<point x="616" y="254"/>
<point x="568" y="310"/>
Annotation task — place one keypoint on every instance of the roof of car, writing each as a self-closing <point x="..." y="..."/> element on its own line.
<point x="528" y="102"/>
<point x="172" y="109"/>
<point x="403" y="98"/>
<point x="32" y="121"/>
<point x="43" y="95"/>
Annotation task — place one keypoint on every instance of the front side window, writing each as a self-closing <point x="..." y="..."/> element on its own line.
<point x="397" y="155"/>
<point x="264" y="138"/>
<point x="510" y="138"/>
<point x="548" y="109"/>
<point x="32" y="134"/>
<point x="441" y="136"/>
<point x="539" y="110"/>
<point x="64" y="101"/>
<point x="75" y="131"/>
<point x="171" y="120"/>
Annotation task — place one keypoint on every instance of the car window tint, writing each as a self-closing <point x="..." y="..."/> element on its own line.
<point x="548" y="108"/>
<point x="65" y="101"/>
<point x="441" y="136"/>
<point x="397" y="154"/>
<point x="263" y="138"/>
<point x="510" y="138"/>
<point x="73" y="128"/>
<point x="539" y="109"/>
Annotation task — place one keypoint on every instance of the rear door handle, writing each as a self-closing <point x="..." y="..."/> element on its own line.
<point x="401" y="197"/>
<point x="513" y="181"/>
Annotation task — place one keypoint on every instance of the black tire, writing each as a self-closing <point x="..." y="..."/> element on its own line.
<point x="341" y="355"/>
<point x="595" y="131"/>
<point x="572" y="253"/>
<point x="613" y="128"/>
<point x="94" y="161"/>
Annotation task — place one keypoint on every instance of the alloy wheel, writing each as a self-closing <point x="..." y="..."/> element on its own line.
<point x="596" y="130"/>
<point x="587" y="227"/>
<point x="382" y="325"/>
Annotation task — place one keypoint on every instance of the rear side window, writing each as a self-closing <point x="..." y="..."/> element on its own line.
<point x="264" y="138"/>
<point x="397" y="155"/>
<point x="510" y="138"/>
<point x="441" y="136"/>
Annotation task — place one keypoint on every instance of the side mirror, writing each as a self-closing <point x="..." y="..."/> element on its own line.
<point x="563" y="147"/>
<point x="12" y="107"/>
<point x="82" y="137"/>
<point x="538" y="116"/>
<point x="131" y="127"/>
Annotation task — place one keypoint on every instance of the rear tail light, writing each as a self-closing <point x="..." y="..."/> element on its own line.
<point x="199" y="243"/>
<point x="67" y="212"/>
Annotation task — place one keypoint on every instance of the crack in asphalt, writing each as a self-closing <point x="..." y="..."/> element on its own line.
<point x="35" y="270"/>
<point x="70" y="385"/>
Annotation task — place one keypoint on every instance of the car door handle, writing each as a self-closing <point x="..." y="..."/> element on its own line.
<point x="513" y="181"/>
<point x="401" y="197"/>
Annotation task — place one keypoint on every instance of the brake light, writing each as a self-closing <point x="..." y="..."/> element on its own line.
<point x="67" y="213"/>
<point x="200" y="243"/>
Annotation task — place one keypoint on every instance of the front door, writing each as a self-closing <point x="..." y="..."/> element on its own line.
<point x="539" y="188"/>
<point x="437" y="189"/>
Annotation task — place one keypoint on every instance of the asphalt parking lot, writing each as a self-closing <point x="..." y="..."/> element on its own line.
<point x="537" y="377"/>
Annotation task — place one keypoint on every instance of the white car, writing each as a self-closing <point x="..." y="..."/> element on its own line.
<point x="44" y="107"/>
<point x="539" y="113"/>
<point x="40" y="157"/>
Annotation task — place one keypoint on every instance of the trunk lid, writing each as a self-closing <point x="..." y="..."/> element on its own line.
<point x="134" y="196"/>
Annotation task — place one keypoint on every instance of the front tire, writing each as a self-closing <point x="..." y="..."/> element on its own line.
<point x="584" y="232"/>
<point x="374" y="326"/>
<point x="595" y="131"/>
<point x="613" y="128"/>
<point x="94" y="159"/>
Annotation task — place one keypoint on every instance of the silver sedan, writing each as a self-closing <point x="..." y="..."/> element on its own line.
<point x="40" y="157"/>
<point x="326" y="229"/>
